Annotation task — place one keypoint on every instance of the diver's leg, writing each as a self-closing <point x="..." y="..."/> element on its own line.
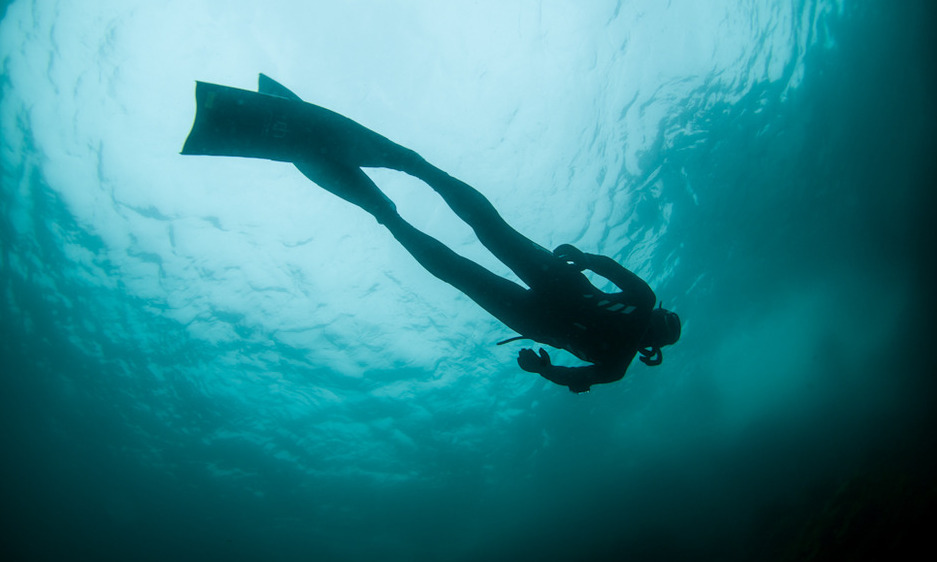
<point x="533" y="263"/>
<point x="508" y="302"/>
<point x="351" y="184"/>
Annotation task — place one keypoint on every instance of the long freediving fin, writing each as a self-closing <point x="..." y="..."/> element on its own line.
<point x="276" y="124"/>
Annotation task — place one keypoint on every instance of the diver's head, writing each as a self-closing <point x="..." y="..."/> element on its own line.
<point x="663" y="329"/>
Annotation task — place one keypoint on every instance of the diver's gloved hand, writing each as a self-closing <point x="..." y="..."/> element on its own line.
<point x="529" y="361"/>
<point x="571" y="254"/>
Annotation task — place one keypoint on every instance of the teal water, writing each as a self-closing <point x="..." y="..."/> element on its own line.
<point x="213" y="359"/>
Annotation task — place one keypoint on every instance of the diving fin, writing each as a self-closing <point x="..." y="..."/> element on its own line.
<point x="234" y="122"/>
<point x="276" y="125"/>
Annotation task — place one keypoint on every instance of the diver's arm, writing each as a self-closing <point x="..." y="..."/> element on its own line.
<point x="577" y="379"/>
<point x="580" y="379"/>
<point x="610" y="269"/>
<point x="624" y="279"/>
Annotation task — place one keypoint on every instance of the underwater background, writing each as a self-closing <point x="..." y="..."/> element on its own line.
<point x="213" y="359"/>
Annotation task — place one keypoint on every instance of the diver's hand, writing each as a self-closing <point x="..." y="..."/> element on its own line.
<point x="529" y="361"/>
<point x="571" y="254"/>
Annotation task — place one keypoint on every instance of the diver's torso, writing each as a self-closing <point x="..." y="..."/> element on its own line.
<point x="595" y="326"/>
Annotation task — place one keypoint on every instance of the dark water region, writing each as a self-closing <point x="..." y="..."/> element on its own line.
<point x="795" y="421"/>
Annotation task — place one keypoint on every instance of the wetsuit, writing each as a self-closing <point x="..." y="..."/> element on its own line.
<point x="561" y="308"/>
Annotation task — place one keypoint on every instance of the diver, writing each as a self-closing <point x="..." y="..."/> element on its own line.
<point x="561" y="308"/>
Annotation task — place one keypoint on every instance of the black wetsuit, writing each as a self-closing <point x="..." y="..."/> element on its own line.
<point x="561" y="308"/>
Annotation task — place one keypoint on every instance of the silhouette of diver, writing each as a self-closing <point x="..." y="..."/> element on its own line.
<point x="561" y="308"/>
